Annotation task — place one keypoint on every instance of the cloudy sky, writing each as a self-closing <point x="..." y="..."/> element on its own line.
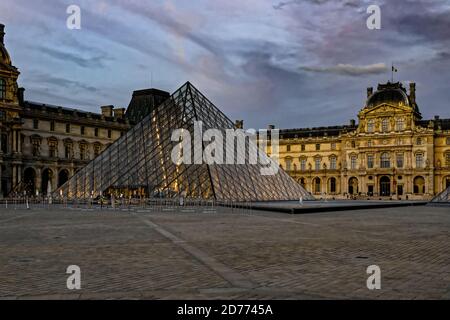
<point x="292" y="63"/>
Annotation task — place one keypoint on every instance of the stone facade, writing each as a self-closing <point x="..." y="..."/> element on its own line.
<point x="41" y="145"/>
<point x="390" y="153"/>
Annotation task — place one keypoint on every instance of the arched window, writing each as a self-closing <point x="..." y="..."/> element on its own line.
<point x="316" y="185"/>
<point x="385" y="160"/>
<point x="332" y="185"/>
<point x="385" y="125"/>
<point x="2" y="89"/>
<point x="419" y="185"/>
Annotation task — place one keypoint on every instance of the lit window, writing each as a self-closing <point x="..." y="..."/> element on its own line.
<point x="333" y="146"/>
<point x="369" y="143"/>
<point x="385" y="160"/>
<point x="419" y="141"/>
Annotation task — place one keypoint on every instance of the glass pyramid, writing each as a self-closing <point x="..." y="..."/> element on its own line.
<point x="140" y="164"/>
<point x="443" y="197"/>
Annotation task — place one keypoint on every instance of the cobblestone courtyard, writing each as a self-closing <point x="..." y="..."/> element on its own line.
<point x="245" y="255"/>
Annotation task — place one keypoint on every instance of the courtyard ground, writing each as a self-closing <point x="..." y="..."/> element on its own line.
<point x="227" y="255"/>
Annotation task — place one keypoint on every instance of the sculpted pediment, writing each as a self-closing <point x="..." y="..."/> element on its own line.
<point x="385" y="109"/>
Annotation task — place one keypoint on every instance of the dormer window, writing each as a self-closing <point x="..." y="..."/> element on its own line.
<point x="2" y="89"/>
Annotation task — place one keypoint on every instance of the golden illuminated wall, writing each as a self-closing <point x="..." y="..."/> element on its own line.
<point x="391" y="153"/>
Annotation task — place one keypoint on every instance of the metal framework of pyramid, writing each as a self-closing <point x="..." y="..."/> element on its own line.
<point x="140" y="161"/>
<point x="443" y="197"/>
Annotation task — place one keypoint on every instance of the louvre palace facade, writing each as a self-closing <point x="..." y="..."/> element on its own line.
<point x="42" y="145"/>
<point x="390" y="153"/>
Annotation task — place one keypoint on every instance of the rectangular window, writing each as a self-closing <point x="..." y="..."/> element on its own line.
<point x="2" y="89"/>
<point x="333" y="146"/>
<point x="288" y="164"/>
<point x="68" y="152"/>
<point x="303" y="147"/>
<point x="68" y="128"/>
<point x="35" y="124"/>
<point x="370" y="161"/>
<point x="385" y="161"/>
<point x="82" y="130"/>
<point x="400" y="160"/>
<point x="52" y="125"/>
<point x="288" y="148"/>
<point x="109" y="134"/>
<point x="447" y="159"/>
<point x="419" y="160"/>
<point x="353" y="144"/>
<point x="96" y="132"/>
<point x="369" y="143"/>
<point x="333" y="163"/>
<point x="52" y="151"/>
<point x="400" y="123"/>
<point x="370" y="126"/>
<point x="353" y="162"/>
<point x="317" y="164"/>
<point x="385" y="125"/>
<point x="318" y="147"/>
<point x="303" y="164"/>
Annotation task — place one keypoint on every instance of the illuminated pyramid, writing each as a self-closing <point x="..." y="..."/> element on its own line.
<point x="140" y="163"/>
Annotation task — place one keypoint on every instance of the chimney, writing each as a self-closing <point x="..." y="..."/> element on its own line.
<point x="20" y="96"/>
<point x="352" y="122"/>
<point x="412" y="92"/>
<point x="369" y="91"/>
<point x="2" y="33"/>
<point x="107" y="111"/>
<point x="239" y="124"/>
<point x="119" y="113"/>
